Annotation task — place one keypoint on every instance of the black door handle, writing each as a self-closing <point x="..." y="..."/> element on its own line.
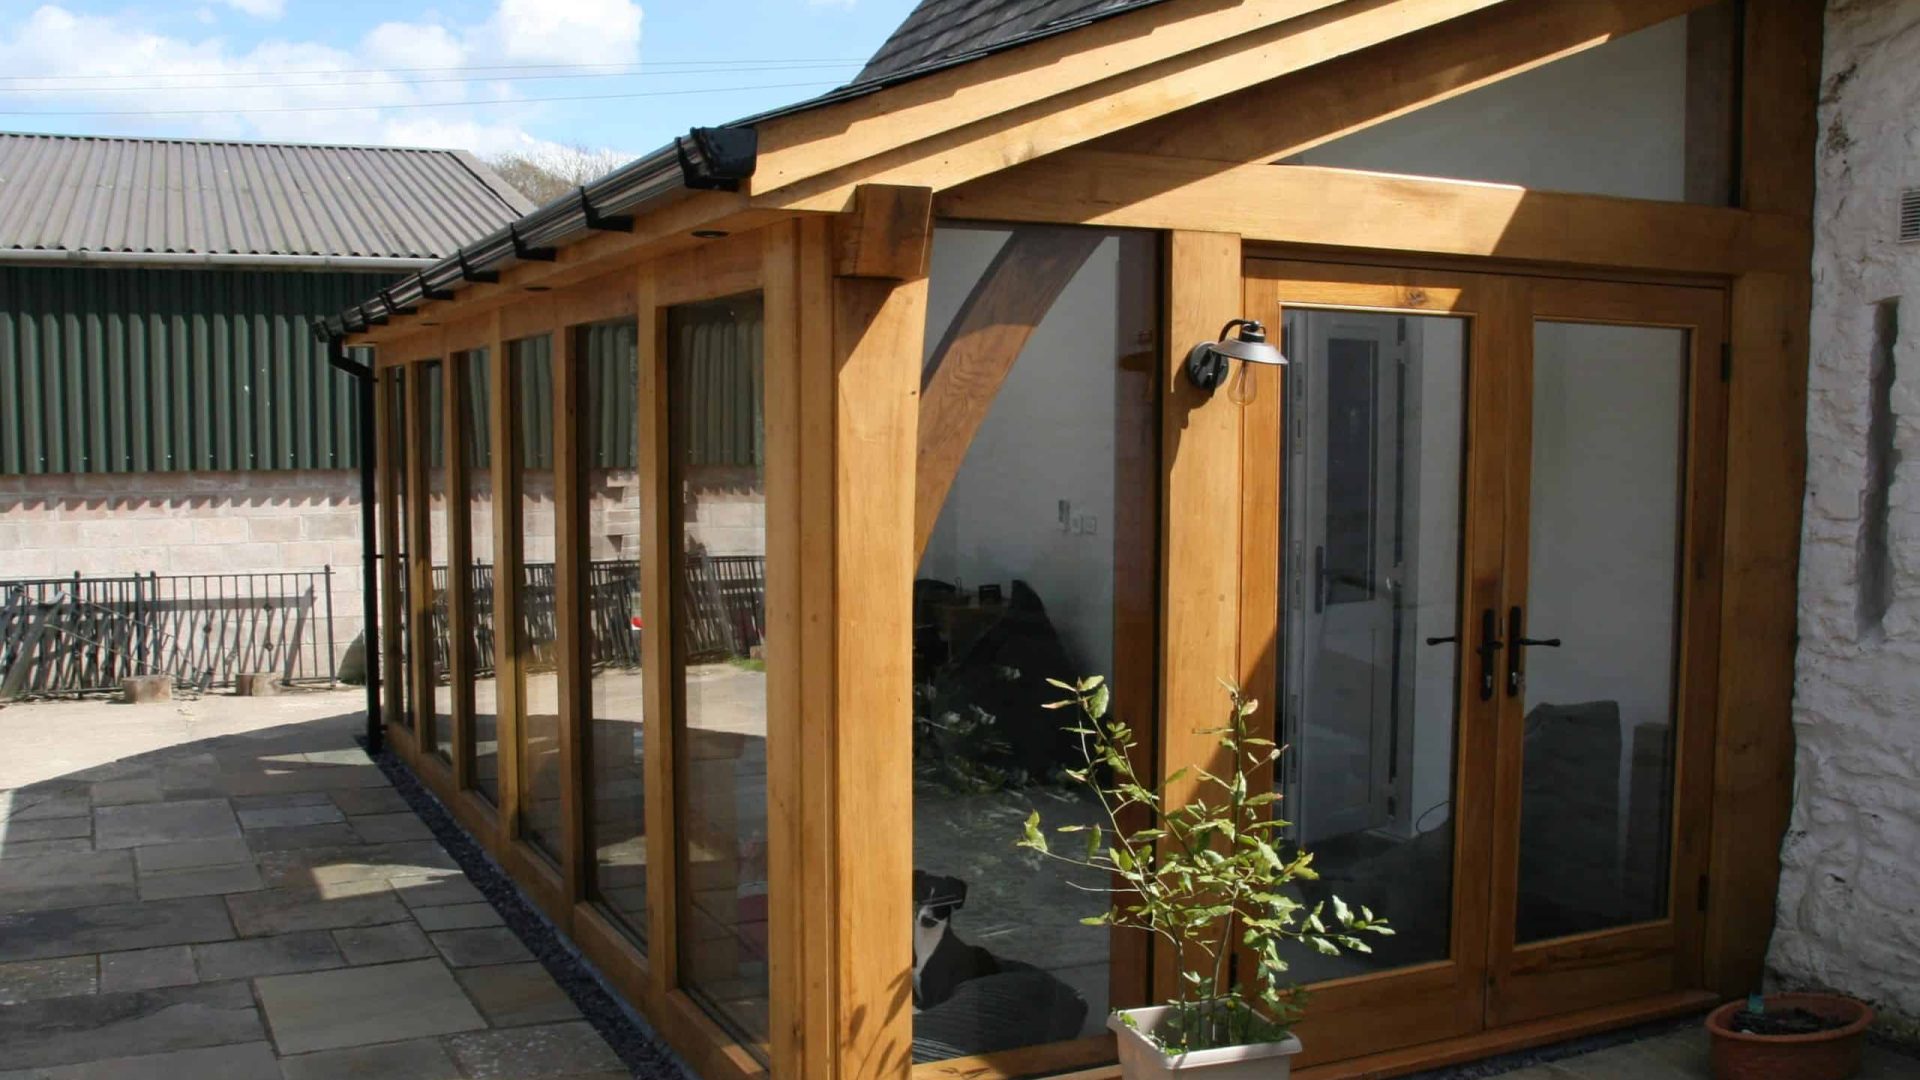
<point x="1489" y="644"/>
<point x="1443" y="640"/>
<point x="1516" y="633"/>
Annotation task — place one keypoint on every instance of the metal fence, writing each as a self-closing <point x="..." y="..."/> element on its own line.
<point x="79" y="634"/>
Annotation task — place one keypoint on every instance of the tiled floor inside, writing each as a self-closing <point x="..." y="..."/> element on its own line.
<point x="228" y="889"/>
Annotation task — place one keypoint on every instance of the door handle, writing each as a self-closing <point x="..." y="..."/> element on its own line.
<point x="1489" y="644"/>
<point x="1516" y="633"/>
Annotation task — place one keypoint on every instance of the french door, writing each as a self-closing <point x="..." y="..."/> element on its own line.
<point x="1479" y="574"/>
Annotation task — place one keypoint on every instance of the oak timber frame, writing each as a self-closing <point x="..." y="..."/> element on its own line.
<point x="1139" y="121"/>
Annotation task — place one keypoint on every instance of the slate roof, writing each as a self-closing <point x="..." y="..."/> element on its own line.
<point x="939" y="32"/>
<point x="87" y="193"/>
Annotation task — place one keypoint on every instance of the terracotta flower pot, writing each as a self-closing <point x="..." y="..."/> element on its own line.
<point x="1833" y="1054"/>
<point x="1142" y="1059"/>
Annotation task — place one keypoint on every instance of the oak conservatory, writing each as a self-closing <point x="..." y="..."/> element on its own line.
<point x="735" y="508"/>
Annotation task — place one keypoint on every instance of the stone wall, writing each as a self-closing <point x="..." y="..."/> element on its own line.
<point x="1849" y="911"/>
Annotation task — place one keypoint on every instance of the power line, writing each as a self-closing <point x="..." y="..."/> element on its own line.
<point x="414" y="104"/>
<point x="455" y="67"/>
<point x="406" y="82"/>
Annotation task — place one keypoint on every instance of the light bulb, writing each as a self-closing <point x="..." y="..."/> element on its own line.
<point x="1245" y="385"/>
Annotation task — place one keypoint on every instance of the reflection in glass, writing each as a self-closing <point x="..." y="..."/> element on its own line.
<point x="1371" y="571"/>
<point x="399" y="684"/>
<point x="612" y="495"/>
<point x="433" y="385"/>
<point x="718" y="485"/>
<point x="1609" y="421"/>
<point x="537" y="664"/>
<point x="476" y="386"/>
<point x="1032" y="572"/>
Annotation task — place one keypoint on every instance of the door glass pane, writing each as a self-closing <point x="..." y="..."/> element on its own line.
<point x="539" y="735"/>
<point x="398" y="681"/>
<point x="433" y="386"/>
<point x="1602" y="576"/>
<point x="1375" y="418"/>
<point x="718" y="484"/>
<point x="617" y="787"/>
<point x="477" y="438"/>
<point x="1039" y="566"/>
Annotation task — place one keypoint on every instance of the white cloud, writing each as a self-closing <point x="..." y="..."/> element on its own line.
<point x="259" y="9"/>
<point x="211" y="73"/>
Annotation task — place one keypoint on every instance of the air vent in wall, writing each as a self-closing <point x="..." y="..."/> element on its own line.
<point x="1910" y="216"/>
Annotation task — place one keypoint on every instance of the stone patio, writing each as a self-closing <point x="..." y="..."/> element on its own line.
<point x="228" y="889"/>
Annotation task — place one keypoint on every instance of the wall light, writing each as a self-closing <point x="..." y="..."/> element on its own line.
<point x="1208" y="363"/>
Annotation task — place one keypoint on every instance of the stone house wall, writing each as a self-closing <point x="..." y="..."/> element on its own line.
<point x="1849" y="904"/>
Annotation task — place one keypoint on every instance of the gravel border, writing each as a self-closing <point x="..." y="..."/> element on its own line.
<point x="640" y="1048"/>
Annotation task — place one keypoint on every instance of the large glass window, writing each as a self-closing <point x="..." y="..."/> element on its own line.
<point x="537" y="664"/>
<point x="476" y="441"/>
<point x="432" y="426"/>
<point x="611" y="454"/>
<point x="718" y="492"/>
<point x="1649" y="115"/>
<point x="1041" y="347"/>
<point x="399" y="678"/>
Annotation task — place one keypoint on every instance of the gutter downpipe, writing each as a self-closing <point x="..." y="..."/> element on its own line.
<point x="369" y="559"/>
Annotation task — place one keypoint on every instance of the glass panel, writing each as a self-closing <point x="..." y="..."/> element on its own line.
<point x="617" y="783"/>
<point x="718" y="480"/>
<point x="476" y="385"/>
<point x="1038" y="567"/>
<point x="539" y="735"/>
<point x="1376" y="407"/>
<point x="433" y="384"/>
<point x="399" y="685"/>
<point x="1609" y="418"/>
<point x="1649" y="115"/>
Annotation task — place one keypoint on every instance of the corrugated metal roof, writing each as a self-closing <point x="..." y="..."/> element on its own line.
<point x="938" y="32"/>
<point x="177" y="196"/>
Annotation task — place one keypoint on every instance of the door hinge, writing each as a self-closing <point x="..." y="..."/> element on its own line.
<point x="1703" y="892"/>
<point x="1726" y="361"/>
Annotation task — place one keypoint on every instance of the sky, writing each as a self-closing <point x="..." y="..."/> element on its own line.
<point x="456" y="73"/>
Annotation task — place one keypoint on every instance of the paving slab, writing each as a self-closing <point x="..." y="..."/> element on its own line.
<point x="274" y="817"/>
<point x="27" y="849"/>
<point x="34" y="935"/>
<point x="264" y="802"/>
<point x="135" y="789"/>
<point x="383" y="944"/>
<point x="162" y="823"/>
<point x="147" y="969"/>
<point x="436" y="890"/>
<point x="355" y="1006"/>
<point x="471" y="948"/>
<point x="456" y="917"/>
<point x="31" y="805"/>
<point x="355" y="862"/>
<point x="202" y="881"/>
<point x="388" y="828"/>
<point x="283" y="911"/>
<point x="280" y="954"/>
<point x="530" y="1053"/>
<point x="67" y="896"/>
<point x="60" y="871"/>
<point x="20" y="831"/>
<point x="330" y="834"/>
<point x="32" y="980"/>
<point x="371" y="800"/>
<point x="419" y="1059"/>
<point x="191" y="854"/>
<point x="241" y="1061"/>
<point x="75" y="1029"/>
<point x="512" y="995"/>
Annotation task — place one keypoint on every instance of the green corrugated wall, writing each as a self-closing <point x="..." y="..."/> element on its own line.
<point x="145" y="370"/>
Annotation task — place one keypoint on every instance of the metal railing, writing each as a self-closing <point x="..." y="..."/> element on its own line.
<point x="80" y="634"/>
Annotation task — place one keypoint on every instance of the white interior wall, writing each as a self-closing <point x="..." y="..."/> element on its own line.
<point x="1436" y="416"/>
<point x="1609" y="121"/>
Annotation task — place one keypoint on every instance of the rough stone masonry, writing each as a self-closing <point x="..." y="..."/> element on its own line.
<point x="1849" y="906"/>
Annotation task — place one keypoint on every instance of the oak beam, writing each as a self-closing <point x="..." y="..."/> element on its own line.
<point x="1305" y="109"/>
<point x="981" y="344"/>
<point x="888" y="234"/>
<point x="1343" y="208"/>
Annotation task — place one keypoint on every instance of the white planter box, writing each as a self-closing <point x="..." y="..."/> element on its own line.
<point x="1140" y="1059"/>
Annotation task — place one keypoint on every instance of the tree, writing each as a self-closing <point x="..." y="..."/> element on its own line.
<point x="545" y="174"/>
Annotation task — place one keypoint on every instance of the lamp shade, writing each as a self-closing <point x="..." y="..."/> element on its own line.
<point x="1248" y="342"/>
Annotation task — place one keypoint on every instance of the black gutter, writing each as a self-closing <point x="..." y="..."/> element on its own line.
<point x="362" y="377"/>
<point x="705" y="159"/>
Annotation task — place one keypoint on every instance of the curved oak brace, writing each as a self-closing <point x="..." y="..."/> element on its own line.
<point x="1017" y="290"/>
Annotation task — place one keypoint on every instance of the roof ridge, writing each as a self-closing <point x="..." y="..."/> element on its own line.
<point x="185" y="139"/>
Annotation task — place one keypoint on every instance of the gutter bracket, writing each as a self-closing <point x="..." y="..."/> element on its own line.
<point x="529" y="254"/>
<point x="468" y="273"/>
<point x="386" y="297"/>
<point x="369" y="318"/>
<point x="594" y="219"/>
<point x="428" y="292"/>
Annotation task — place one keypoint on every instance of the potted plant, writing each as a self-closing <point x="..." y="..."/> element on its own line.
<point x="1205" y="875"/>
<point x="1788" y="1037"/>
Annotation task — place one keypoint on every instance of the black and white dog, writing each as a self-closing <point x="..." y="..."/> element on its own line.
<point x="941" y="961"/>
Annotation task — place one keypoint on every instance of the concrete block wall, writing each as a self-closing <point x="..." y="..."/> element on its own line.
<point x="1849" y="905"/>
<point x="187" y="523"/>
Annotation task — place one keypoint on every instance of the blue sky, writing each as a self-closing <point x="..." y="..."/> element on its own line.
<point x="364" y="71"/>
